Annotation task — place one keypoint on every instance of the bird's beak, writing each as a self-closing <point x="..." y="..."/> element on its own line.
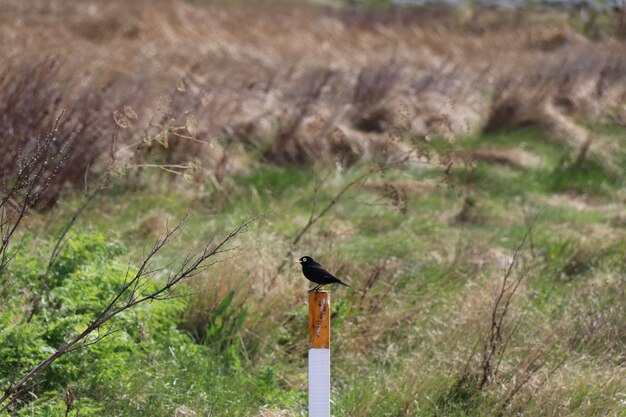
<point x="297" y="260"/>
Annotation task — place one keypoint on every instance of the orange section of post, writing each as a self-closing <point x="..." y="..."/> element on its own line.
<point x="319" y="319"/>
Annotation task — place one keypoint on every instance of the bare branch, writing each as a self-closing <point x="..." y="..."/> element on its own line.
<point x="22" y="187"/>
<point x="56" y="251"/>
<point x="314" y="218"/>
<point x="494" y="345"/>
<point x="190" y="267"/>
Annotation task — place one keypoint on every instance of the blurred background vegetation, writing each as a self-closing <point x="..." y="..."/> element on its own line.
<point x="411" y="149"/>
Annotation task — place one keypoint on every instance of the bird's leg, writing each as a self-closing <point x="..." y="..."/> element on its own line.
<point x="315" y="288"/>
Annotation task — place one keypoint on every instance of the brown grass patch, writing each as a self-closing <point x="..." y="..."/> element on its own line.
<point x="516" y="158"/>
<point x="215" y="82"/>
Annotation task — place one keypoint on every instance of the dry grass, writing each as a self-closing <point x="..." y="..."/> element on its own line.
<point x="208" y="90"/>
<point x="293" y="83"/>
<point x="517" y="158"/>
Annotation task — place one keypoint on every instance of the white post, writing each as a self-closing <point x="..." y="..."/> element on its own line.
<point x="319" y="354"/>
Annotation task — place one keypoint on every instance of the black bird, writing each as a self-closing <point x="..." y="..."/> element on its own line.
<point x="314" y="272"/>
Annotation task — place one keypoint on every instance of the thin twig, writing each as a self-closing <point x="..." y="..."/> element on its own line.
<point x="314" y="218"/>
<point x="192" y="265"/>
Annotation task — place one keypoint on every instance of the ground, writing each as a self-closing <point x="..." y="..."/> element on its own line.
<point x="471" y="193"/>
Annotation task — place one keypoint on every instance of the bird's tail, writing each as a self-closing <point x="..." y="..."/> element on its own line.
<point x="343" y="283"/>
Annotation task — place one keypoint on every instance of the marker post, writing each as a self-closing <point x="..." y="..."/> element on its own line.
<point x="319" y="354"/>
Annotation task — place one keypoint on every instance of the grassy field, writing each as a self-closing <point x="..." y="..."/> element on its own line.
<point x="472" y="194"/>
<point x="425" y="267"/>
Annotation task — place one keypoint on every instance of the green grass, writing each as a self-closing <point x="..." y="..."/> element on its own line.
<point x="400" y="347"/>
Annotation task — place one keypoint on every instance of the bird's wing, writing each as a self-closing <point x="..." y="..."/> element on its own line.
<point x="318" y="269"/>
